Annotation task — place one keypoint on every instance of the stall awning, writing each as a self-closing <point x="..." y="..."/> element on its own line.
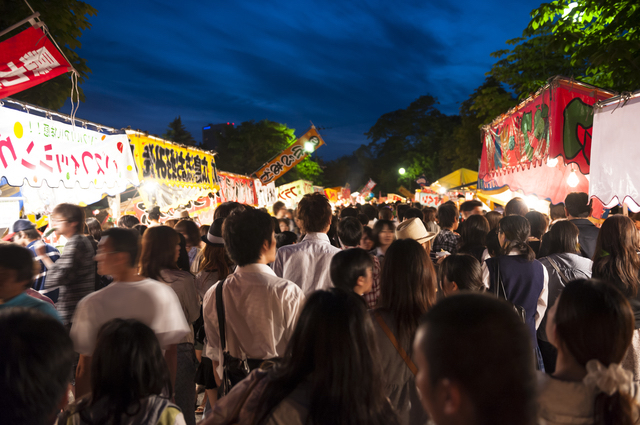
<point x="457" y="179"/>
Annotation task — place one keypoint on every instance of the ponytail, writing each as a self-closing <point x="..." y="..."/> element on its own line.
<point x="523" y="248"/>
<point x="616" y="409"/>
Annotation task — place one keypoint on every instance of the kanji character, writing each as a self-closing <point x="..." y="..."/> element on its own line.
<point x="18" y="75"/>
<point x="39" y="61"/>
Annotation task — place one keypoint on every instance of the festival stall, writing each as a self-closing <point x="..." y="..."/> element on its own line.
<point x="237" y="188"/>
<point x="52" y="159"/>
<point x="615" y="175"/>
<point x="542" y="147"/>
<point x="292" y="193"/>
<point x="267" y="194"/>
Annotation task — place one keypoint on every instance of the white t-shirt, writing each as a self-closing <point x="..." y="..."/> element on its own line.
<point x="149" y="301"/>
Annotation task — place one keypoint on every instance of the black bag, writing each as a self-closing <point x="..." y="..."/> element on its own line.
<point x="234" y="369"/>
<point x="500" y="292"/>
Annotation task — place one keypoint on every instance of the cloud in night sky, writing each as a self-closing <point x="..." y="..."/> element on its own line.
<point x="340" y="65"/>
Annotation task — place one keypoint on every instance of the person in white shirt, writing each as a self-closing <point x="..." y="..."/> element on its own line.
<point x="130" y="296"/>
<point x="308" y="263"/>
<point x="261" y="309"/>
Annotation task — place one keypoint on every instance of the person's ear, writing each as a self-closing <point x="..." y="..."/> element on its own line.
<point x="361" y="281"/>
<point x="453" y="287"/>
<point x="450" y="396"/>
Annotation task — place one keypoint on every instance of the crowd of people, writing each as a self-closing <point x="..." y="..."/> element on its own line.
<point x="367" y="314"/>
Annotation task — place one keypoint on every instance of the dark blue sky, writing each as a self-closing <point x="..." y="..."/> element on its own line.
<point x="339" y="64"/>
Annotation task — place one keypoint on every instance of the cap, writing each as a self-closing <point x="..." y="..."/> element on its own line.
<point x="19" y="226"/>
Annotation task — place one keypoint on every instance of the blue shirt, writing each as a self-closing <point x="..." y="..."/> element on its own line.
<point x="53" y="254"/>
<point x="24" y="300"/>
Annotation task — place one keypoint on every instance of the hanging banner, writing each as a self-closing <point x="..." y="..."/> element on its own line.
<point x="428" y="199"/>
<point x="29" y="59"/>
<point x="331" y="194"/>
<point x="368" y="187"/>
<point x="290" y="157"/>
<point x="38" y="149"/>
<point x="267" y="194"/>
<point x="236" y="188"/>
<point x="171" y="164"/>
<point x="292" y="193"/>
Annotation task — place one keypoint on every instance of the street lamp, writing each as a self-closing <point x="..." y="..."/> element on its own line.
<point x="402" y="171"/>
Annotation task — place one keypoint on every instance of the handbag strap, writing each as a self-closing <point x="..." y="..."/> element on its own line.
<point x="499" y="284"/>
<point x="555" y="266"/>
<point x="221" y="317"/>
<point x="394" y="341"/>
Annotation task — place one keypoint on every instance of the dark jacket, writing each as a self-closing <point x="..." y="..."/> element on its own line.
<point x="587" y="238"/>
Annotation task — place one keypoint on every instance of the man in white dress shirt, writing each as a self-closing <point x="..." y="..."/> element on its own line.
<point x="308" y="263"/>
<point x="261" y="309"/>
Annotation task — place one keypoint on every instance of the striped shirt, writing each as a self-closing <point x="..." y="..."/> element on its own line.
<point x="52" y="253"/>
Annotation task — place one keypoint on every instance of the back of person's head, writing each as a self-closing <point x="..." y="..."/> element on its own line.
<point x="128" y="221"/>
<point x="411" y="213"/>
<point x="140" y="228"/>
<point x="408" y="285"/>
<point x="370" y="211"/>
<point x="594" y="321"/>
<point x="314" y="213"/>
<point x="348" y="212"/>
<point x="539" y="223"/>
<point x="516" y="230"/>
<point x="16" y="264"/>
<point x="348" y="265"/>
<point x="578" y="204"/>
<point x="245" y="233"/>
<point x="385" y="213"/>
<point x="473" y="231"/>
<point x="516" y="206"/>
<point x="94" y="228"/>
<point x="333" y="349"/>
<point x="123" y="240"/>
<point x="429" y="214"/>
<point x="469" y="206"/>
<point x="563" y="237"/>
<point x="171" y="222"/>
<point x="277" y="207"/>
<point x="158" y="251"/>
<point x="71" y="214"/>
<point x="400" y="210"/>
<point x="154" y="214"/>
<point x="493" y="217"/>
<point x="36" y="355"/>
<point x="363" y="219"/>
<point x="463" y="270"/>
<point x="556" y="211"/>
<point x="127" y="366"/>
<point x="615" y="259"/>
<point x="225" y="209"/>
<point x="493" y="243"/>
<point x="286" y="238"/>
<point x="350" y="231"/>
<point x="447" y="215"/>
<point x="182" y="262"/>
<point x="475" y="345"/>
<point x="380" y="226"/>
<point x="190" y="230"/>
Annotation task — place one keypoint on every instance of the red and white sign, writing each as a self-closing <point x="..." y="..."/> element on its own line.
<point x="429" y="199"/>
<point x="28" y="59"/>
<point x="237" y="188"/>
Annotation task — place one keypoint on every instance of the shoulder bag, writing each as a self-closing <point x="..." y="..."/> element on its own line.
<point x="412" y="367"/>
<point x="557" y="269"/>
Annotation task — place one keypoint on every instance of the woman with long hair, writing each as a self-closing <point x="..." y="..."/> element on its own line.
<point x="407" y="290"/>
<point x="330" y="373"/>
<point x="516" y="270"/>
<point x="189" y="229"/>
<point x="616" y="262"/>
<point x="473" y="237"/>
<point x="591" y="324"/>
<point x="94" y="228"/>
<point x="158" y="260"/>
<point x="384" y="233"/>
<point x="130" y="381"/>
<point x="564" y="264"/>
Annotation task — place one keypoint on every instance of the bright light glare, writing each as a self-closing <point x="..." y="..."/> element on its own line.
<point x="442" y="190"/>
<point x="151" y="186"/>
<point x="573" y="180"/>
<point x="402" y="171"/>
<point x="552" y="162"/>
<point x="309" y="147"/>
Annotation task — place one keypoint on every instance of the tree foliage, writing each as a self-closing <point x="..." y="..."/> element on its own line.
<point x="177" y="132"/>
<point x="66" y="20"/>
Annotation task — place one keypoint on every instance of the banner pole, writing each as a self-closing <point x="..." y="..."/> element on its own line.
<point x="24" y="21"/>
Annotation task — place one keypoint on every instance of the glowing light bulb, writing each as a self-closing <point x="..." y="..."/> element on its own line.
<point x="552" y="162"/>
<point x="442" y="190"/>
<point x="402" y="171"/>
<point x="573" y="180"/>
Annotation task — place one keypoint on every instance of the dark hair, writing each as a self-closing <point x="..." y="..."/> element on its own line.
<point x="348" y="212"/>
<point x="225" y="209"/>
<point x="447" y="215"/>
<point x="407" y="286"/>
<point x="363" y="219"/>
<point x="578" y="204"/>
<point x="183" y="258"/>
<point x="556" y="211"/>
<point x="400" y="210"/>
<point x="72" y="214"/>
<point x="473" y="232"/>
<point x="493" y="217"/>
<point x="464" y="270"/>
<point x="36" y="357"/>
<point x="285" y="238"/>
<point x="128" y="221"/>
<point x="127" y="366"/>
<point x="244" y="233"/>
<point x="429" y="214"/>
<point x="190" y="231"/>
<point x="333" y="349"/>
<point x="124" y="240"/>
<point x="140" y="228"/>
<point x="493" y="243"/>
<point x="479" y="342"/>
<point x="615" y="259"/>
<point x="171" y="222"/>
<point x="348" y="265"/>
<point x="379" y="227"/>
<point x="277" y="207"/>
<point x="370" y="211"/>
<point x="350" y="231"/>
<point x="516" y="206"/>
<point x="314" y="212"/>
<point x="563" y="237"/>
<point x="539" y="223"/>
<point x="467" y="206"/>
<point x="413" y="212"/>
<point x="94" y="228"/>
<point x="516" y="230"/>
<point x="385" y="213"/>
<point x="19" y="259"/>
<point x="154" y="214"/>
<point x="158" y="251"/>
<point x="204" y="229"/>
<point x="595" y="321"/>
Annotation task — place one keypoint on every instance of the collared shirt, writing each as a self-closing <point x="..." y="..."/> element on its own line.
<point x="261" y="311"/>
<point x="445" y="241"/>
<point x="74" y="273"/>
<point x="52" y="253"/>
<point x="307" y="263"/>
<point x="153" y="303"/>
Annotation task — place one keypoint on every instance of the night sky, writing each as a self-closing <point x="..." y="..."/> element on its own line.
<point x="338" y="64"/>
